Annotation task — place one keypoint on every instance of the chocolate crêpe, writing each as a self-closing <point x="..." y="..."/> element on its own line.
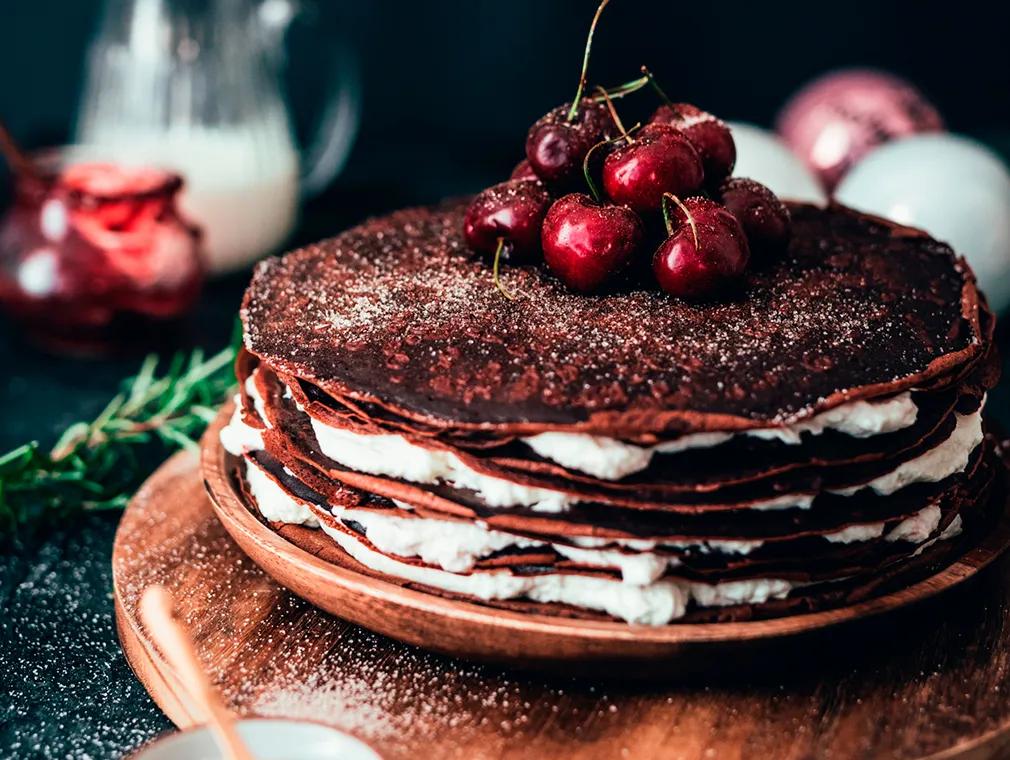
<point x="812" y="439"/>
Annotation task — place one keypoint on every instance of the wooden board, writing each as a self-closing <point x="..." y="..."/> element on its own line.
<point x="489" y="634"/>
<point x="933" y="682"/>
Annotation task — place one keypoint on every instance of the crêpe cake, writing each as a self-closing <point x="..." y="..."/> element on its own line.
<point x="814" y="438"/>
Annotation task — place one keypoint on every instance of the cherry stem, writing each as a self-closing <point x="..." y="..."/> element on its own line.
<point x="624" y="89"/>
<point x="613" y="114"/>
<point x="497" y="262"/>
<point x="593" y="189"/>
<point x="682" y="207"/>
<point x="655" y="85"/>
<point x="574" y="110"/>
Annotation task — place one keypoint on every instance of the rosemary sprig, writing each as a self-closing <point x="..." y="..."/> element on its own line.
<point x="96" y="465"/>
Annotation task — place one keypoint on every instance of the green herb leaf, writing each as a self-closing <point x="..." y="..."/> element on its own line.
<point x="97" y="465"/>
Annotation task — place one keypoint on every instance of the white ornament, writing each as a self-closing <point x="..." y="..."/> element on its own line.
<point x="954" y="188"/>
<point x="761" y="155"/>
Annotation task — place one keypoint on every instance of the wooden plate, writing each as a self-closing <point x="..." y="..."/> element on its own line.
<point x="933" y="682"/>
<point x="484" y="633"/>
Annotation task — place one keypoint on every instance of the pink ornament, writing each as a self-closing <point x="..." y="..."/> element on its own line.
<point x="839" y="118"/>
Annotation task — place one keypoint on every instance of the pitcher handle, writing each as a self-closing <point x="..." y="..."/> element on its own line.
<point x="330" y="146"/>
<point x="326" y="152"/>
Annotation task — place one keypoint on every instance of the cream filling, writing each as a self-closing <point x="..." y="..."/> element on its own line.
<point x="643" y="595"/>
<point x="394" y="456"/>
<point x="257" y="399"/>
<point x="919" y="527"/>
<point x="948" y="458"/>
<point x="914" y="529"/>
<point x="654" y="604"/>
<point x="457" y="546"/>
<point x="722" y="546"/>
<point x="454" y="546"/>
<point x="237" y="437"/>
<point x="611" y="459"/>
<point x="854" y="533"/>
<point x="954" y="529"/>
<point x="273" y="502"/>
<point x="640" y="598"/>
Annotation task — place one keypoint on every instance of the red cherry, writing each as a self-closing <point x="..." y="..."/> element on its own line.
<point x="556" y="147"/>
<point x="587" y="243"/>
<point x="558" y="142"/>
<point x="709" y="135"/>
<point x="523" y="170"/>
<point x="705" y="252"/>
<point x="764" y="218"/>
<point x="660" y="159"/>
<point x="512" y="211"/>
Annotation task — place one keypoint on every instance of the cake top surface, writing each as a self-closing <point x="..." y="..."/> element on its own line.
<point x="399" y="312"/>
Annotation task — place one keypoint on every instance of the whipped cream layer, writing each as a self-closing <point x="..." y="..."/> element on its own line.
<point x="645" y="593"/>
<point x="611" y="459"/>
<point x="641" y="597"/>
<point x="948" y="458"/>
<point x="394" y="456"/>
<point x="237" y="437"/>
<point x="654" y="604"/>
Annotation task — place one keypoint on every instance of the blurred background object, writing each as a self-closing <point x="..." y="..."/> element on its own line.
<point x="194" y="85"/>
<point x="764" y="156"/>
<point x="187" y="95"/>
<point x="955" y="188"/>
<point x="837" y="119"/>
<point x="95" y="257"/>
<point x="449" y="88"/>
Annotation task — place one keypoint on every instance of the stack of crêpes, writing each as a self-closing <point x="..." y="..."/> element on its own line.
<point x="805" y="443"/>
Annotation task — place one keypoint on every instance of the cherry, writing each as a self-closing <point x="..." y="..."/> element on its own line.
<point x="523" y="170"/>
<point x="709" y="135"/>
<point x="558" y="142"/>
<point x="555" y="146"/>
<point x="705" y="252"/>
<point x="764" y="218"/>
<point x="587" y="243"/>
<point x="658" y="159"/>
<point x="507" y="215"/>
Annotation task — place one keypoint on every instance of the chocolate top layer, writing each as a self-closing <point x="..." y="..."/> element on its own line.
<point x="399" y="312"/>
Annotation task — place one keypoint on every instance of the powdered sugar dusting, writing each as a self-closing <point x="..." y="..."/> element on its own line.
<point x="401" y="699"/>
<point x="399" y="308"/>
<point x="59" y="654"/>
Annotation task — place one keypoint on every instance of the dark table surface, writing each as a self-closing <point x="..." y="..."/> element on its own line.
<point x="70" y="692"/>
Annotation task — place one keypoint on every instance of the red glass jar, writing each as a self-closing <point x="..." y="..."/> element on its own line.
<point x="96" y="256"/>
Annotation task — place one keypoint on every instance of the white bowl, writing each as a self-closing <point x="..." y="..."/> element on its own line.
<point x="267" y="739"/>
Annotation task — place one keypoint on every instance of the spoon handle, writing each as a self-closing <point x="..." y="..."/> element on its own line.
<point x="156" y="610"/>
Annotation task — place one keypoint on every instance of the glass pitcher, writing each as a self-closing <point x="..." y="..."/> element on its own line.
<point x="195" y="86"/>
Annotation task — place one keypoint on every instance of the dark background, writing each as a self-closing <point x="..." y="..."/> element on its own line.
<point x="449" y="89"/>
<point x="451" y="86"/>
